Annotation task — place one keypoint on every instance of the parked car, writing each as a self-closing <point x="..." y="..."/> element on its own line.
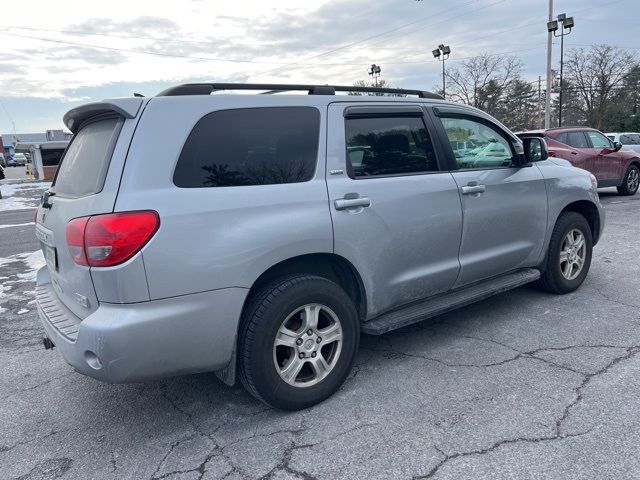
<point x="591" y="150"/>
<point x="630" y="140"/>
<point x="276" y="228"/>
<point x="18" y="160"/>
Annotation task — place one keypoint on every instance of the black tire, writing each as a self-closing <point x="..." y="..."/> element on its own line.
<point x="263" y="316"/>
<point x="630" y="187"/>
<point x="552" y="279"/>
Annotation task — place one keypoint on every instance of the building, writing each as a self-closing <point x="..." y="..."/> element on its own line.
<point x="10" y="140"/>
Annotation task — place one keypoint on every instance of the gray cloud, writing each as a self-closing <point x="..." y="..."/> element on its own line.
<point x="90" y="55"/>
<point x="140" y="26"/>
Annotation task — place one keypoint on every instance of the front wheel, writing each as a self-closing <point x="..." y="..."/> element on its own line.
<point x="569" y="255"/>
<point x="298" y="341"/>
<point x="630" y="182"/>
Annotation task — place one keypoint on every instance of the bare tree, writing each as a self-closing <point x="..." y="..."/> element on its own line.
<point x="596" y="74"/>
<point x="482" y="78"/>
<point x="381" y="84"/>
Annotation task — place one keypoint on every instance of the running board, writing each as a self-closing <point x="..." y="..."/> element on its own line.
<point x="446" y="302"/>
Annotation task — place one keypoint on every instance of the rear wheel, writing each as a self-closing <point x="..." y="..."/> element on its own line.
<point x="630" y="182"/>
<point x="298" y="341"/>
<point x="569" y="255"/>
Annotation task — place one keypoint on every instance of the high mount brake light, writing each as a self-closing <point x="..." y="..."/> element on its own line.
<point x="110" y="239"/>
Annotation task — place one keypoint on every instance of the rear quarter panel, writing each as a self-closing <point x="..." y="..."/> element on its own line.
<point x="212" y="238"/>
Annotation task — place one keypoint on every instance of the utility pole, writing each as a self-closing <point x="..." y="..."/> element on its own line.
<point x="547" y="100"/>
<point x="539" y="102"/>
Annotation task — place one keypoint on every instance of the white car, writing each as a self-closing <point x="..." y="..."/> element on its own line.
<point x="630" y="140"/>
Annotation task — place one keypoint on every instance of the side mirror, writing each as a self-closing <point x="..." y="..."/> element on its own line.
<point x="616" y="146"/>
<point x="535" y="149"/>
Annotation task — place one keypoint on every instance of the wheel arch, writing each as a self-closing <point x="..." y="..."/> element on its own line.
<point x="590" y="212"/>
<point x="326" y="265"/>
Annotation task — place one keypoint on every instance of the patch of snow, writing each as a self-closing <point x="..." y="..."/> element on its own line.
<point x="10" y="201"/>
<point x="33" y="261"/>
<point x="23" y="310"/>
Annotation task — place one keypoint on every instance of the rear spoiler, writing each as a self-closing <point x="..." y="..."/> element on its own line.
<point x="127" y="107"/>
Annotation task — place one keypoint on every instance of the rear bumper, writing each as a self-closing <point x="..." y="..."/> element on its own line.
<point x="141" y="341"/>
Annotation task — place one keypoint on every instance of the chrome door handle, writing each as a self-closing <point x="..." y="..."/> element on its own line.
<point x="469" y="189"/>
<point x="344" y="203"/>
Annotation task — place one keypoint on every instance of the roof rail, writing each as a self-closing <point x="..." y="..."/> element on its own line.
<point x="208" y="88"/>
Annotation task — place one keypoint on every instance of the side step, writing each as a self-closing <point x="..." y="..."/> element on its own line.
<point x="446" y="302"/>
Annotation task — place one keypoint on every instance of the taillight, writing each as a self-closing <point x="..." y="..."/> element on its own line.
<point x="113" y="238"/>
<point x="75" y="239"/>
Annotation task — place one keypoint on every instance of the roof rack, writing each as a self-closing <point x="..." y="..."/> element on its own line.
<point x="208" y="88"/>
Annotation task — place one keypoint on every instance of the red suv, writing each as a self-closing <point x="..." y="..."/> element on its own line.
<point x="589" y="149"/>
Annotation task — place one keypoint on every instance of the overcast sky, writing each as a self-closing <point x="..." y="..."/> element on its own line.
<point x="56" y="55"/>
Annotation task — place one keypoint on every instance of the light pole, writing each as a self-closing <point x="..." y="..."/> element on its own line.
<point x="552" y="26"/>
<point x="442" y="53"/>
<point x="374" y="71"/>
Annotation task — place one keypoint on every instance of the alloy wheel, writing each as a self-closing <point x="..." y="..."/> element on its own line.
<point x="308" y="344"/>
<point x="573" y="252"/>
<point x="633" y="180"/>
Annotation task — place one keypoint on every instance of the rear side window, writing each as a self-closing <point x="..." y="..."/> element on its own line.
<point x="84" y="165"/>
<point x="252" y="146"/>
<point x="388" y="146"/>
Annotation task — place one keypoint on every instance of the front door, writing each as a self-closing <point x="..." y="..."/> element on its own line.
<point x="396" y="216"/>
<point x="607" y="161"/>
<point x="504" y="206"/>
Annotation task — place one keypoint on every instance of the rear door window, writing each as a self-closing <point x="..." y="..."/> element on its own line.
<point x="577" y="140"/>
<point x="388" y="146"/>
<point x="84" y="165"/>
<point x="251" y="146"/>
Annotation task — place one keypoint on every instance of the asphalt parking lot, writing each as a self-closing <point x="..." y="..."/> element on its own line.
<point x="523" y="385"/>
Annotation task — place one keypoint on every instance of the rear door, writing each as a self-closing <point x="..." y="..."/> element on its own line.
<point x="86" y="183"/>
<point x="396" y="215"/>
<point x="504" y="206"/>
<point x="575" y="147"/>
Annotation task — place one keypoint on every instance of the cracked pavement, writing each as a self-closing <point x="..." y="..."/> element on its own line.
<point x="523" y="385"/>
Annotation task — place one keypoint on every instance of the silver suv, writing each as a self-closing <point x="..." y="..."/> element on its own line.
<point x="257" y="236"/>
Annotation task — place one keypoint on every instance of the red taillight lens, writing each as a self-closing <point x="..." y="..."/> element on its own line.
<point x="75" y="239"/>
<point x="114" y="238"/>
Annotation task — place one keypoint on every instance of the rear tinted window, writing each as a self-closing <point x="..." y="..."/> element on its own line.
<point x="253" y="146"/>
<point x="388" y="146"/>
<point x="85" y="163"/>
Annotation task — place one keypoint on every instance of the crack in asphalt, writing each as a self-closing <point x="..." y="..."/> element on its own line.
<point x="491" y="448"/>
<point x="33" y="387"/>
<point x="630" y="352"/>
<point x="6" y="448"/>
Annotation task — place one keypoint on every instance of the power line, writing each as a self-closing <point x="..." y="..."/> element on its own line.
<point x="366" y="39"/>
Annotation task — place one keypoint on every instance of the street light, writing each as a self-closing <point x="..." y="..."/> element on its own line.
<point x="442" y="53"/>
<point x="552" y="26"/>
<point x="374" y="71"/>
